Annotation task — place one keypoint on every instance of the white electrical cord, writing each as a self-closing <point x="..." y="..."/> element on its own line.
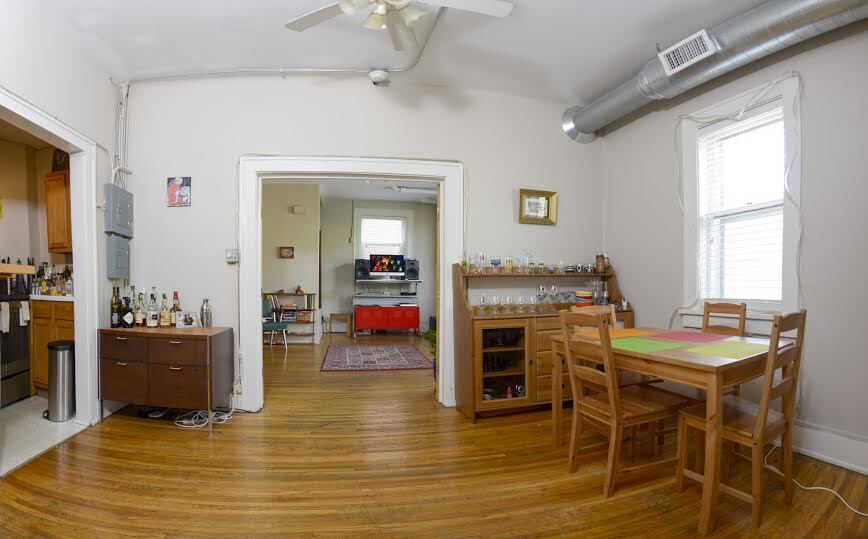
<point x="803" y="487"/>
<point x="199" y="418"/>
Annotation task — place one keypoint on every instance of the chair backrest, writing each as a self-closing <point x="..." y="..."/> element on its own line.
<point x="606" y="311"/>
<point x="711" y="309"/>
<point x="267" y="311"/>
<point x="789" y="360"/>
<point x="580" y="351"/>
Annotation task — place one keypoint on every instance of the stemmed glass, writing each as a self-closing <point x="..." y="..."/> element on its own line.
<point x="520" y="306"/>
<point x="508" y="306"/>
<point x="495" y="304"/>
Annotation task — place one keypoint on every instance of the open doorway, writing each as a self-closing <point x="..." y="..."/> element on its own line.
<point x="256" y="172"/>
<point x="349" y="275"/>
<point x="47" y="193"/>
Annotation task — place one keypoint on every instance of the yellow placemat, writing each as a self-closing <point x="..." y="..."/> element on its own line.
<point x="733" y="350"/>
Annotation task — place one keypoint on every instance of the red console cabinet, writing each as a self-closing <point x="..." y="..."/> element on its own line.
<point x="386" y="318"/>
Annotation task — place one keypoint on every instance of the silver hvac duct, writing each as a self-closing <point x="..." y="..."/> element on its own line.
<point x="763" y="30"/>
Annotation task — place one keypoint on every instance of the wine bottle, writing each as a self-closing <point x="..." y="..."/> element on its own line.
<point x="176" y="307"/>
<point x="140" y="310"/>
<point x="128" y="319"/>
<point x="152" y="319"/>
<point x="165" y="316"/>
<point x="115" y="308"/>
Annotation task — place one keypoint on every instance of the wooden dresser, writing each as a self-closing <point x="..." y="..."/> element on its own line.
<point x="167" y="367"/>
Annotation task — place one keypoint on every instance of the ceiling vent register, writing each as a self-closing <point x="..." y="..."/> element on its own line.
<point x="687" y="52"/>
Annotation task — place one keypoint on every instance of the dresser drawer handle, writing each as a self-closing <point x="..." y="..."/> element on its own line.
<point x="176" y="342"/>
<point x="120" y="364"/>
<point x="174" y="368"/>
<point x="120" y="338"/>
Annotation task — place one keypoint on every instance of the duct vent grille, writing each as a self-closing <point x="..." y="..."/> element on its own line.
<point x="687" y="52"/>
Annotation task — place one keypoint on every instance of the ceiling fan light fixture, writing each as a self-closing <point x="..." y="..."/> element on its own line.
<point x="411" y="14"/>
<point x="353" y="6"/>
<point x="377" y="20"/>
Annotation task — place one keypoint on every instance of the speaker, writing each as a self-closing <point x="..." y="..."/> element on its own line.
<point x="363" y="269"/>
<point x="411" y="271"/>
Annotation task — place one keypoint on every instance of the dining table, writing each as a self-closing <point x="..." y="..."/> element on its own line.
<point x="700" y="360"/>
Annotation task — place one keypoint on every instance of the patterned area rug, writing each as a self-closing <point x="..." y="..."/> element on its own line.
<point x="374" y="358"/>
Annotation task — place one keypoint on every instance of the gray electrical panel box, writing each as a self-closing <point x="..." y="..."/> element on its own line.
<point x="117" y="254"/>
<point x="118" y="211"/>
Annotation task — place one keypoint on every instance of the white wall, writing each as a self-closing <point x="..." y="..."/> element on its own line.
<point x="643" y="223"/>
<point x="201" y="127"/>
<point x="338" y="253"/>
<point x="15" y="181"/>
<point x="42" y="62"/>
<point x="280" y="228"/>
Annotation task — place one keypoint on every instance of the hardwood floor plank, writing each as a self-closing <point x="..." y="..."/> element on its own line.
<point x="372" y="453"/>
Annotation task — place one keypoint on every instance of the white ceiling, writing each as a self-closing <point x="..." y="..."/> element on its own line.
<point x="10" y="133"/>
<point x="570" y="50"/>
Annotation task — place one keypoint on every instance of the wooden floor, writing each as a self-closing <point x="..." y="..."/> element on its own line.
<point x="371" y="453"/>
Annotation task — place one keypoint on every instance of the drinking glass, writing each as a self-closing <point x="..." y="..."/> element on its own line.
<point x="508" y="265"/>
<point x="533" y="306"/>
<point x="562" y="266"/>
<point x="520" y="306"/>
<point x="508" y="306"/>
<point x="495" y="304"/>
<point x="495" y="264"/>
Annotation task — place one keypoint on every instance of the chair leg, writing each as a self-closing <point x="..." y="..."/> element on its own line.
<point x="758" y="479"/>
<point x="271" y="341"/>
<point x="682" y="454"/>
<point x="700" y="451"/>
<point x="575" y="434"/>
<point x="284" y="339"/>
<point x="787" y="447"/>
<point x="614" y="456"/>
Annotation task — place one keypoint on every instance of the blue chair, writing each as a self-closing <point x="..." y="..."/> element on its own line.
<point x="270" y="324"/>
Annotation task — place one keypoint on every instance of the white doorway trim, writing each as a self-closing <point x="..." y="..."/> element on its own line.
<point x="252" y="170"/>
<point x="82" y="172"/>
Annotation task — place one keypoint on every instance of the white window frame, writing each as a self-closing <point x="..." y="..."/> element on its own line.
<point x="384" y="213"/>
<point x="787" y="91"/>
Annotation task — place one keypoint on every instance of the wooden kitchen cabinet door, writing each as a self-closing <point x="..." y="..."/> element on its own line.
<point x="40" y="336"/>
<point x="64" y="330"/>
<point x="57" y="212"/>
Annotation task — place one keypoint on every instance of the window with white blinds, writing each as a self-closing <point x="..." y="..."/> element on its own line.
<point x="740" y="172"/>
<point x="383" y="236"/>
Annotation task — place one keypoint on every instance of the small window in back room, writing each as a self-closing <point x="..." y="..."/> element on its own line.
<point x="740" y="172"/>
<point x="383" y="236"/>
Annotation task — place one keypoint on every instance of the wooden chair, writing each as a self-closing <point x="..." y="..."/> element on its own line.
<point x="618" y="408"/>
<point x="712" y="309"/>
<point x="606" y="311"/>
<point x="754" y="426"/>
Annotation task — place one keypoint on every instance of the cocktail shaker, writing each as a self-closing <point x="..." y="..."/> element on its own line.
<point x="205" y="314"/>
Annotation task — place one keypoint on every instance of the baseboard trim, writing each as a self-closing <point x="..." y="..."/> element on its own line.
<point x="824" y="444"/>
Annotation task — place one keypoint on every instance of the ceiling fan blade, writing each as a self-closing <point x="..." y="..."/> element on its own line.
<point x="403" y="37"/>
<point x="495" y="8"/>
<point x="315" y="17"/>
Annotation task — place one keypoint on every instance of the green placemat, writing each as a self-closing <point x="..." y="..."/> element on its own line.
<point x="645" y="346"/>
<point x="733" y="350"/>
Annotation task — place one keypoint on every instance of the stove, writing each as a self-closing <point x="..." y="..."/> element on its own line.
<point x="14" y="345"/>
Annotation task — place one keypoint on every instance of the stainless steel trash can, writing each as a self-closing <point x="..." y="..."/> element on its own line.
<point x="61" y="381"/>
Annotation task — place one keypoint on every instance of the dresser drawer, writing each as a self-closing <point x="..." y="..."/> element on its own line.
<point x="124" y="348"/>
<point x="178" y="386"/>
<point x="544" y="338"/>
<point x="63" y="310"/>
<point x="178" y="351"/>
<point x="548" y="322"/>
<point x="125" y="381"/>
<point x="544" y="389"/>
<point x="544" y="363"/>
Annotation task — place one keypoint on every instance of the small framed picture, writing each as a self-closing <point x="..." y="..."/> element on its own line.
<point x="179" y="191"/>
<point x="187" y="320"/>
<point x="286" y="252"/>
<point x="537" y="207"/>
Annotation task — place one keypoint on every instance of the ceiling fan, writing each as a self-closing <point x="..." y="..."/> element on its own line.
<point x="396" y="16"/>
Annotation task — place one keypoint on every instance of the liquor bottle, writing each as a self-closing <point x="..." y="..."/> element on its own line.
<point x="133" y="299"/>
<point x="140" y="310"/>
<point x="176" y="307"/>
<point x="152" y="319"/>
<point x="115" y="308"/>
<point x="128" y="319"/>
<point x="165" y="316"/>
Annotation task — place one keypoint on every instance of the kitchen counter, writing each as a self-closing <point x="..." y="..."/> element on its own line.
<point x="36" y="297"/>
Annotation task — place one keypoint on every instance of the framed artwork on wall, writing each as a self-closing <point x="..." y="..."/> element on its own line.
<point x="286" y="252"/>
<point x="179" y="190"/>
<point x="537" y="207"/>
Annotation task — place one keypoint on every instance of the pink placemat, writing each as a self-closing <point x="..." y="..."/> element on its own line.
<point x="688" y="336"/>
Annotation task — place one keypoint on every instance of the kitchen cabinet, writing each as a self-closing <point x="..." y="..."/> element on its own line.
<point x="50" y="321"/>
<point x="58" y="217"/>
